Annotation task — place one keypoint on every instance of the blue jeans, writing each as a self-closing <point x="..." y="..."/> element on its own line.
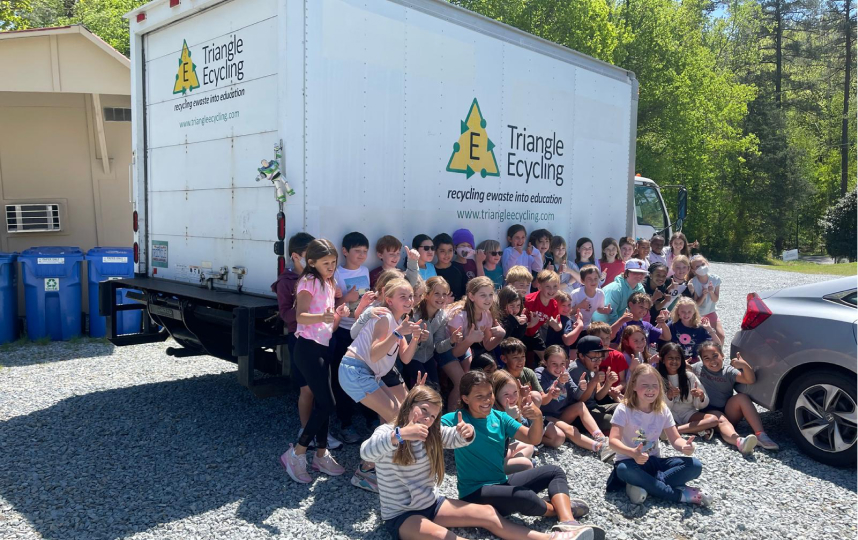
<point x="660" y="476"/>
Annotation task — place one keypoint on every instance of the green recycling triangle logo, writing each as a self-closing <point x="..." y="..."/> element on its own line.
<point x="474" y="151"/>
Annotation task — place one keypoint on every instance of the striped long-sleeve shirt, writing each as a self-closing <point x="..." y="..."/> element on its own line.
<point x="404" y="488"/>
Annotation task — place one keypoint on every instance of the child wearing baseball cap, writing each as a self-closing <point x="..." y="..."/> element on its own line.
<point x="617" y="294"/>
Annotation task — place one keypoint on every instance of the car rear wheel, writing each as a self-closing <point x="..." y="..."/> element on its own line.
<point x="820" y="411"/>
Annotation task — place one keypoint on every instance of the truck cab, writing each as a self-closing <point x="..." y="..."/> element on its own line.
<point x="651" y="214"/>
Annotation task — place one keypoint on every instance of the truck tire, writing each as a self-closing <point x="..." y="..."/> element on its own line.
<point x="820" y="413"/>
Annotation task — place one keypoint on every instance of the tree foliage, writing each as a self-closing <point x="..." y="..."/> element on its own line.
<point x="838" y="226"/>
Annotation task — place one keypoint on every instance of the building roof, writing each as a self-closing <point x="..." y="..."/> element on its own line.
<point x="62" y="59"/>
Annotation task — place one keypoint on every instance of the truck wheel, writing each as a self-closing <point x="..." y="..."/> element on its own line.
<point x="820" y="412"/>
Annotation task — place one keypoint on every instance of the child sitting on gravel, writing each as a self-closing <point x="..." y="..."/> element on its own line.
<point x="409" y="456"/>
<point x="718" y="381"/>
<point x="637" y="424"/>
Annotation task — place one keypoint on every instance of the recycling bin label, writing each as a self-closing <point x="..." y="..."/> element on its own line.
<point x="52" y="284"/>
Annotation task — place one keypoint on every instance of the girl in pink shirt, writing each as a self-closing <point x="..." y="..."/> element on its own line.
<point x="317" y="319"/>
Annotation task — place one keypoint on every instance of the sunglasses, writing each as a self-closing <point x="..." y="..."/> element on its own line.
<point x="495" y="253"/>
<point x="427" y="248"/>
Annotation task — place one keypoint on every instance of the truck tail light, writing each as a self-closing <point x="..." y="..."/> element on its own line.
<point x="281" y="265"/>
<point x="134" y="220"/>
<point x="141" y="17"/>
<point x="281" y="225"/>
<point x="136" y="253"/>
<point x="756" y="312"/>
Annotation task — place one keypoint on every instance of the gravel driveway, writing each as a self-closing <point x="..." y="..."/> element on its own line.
<point x="103" y="442"/>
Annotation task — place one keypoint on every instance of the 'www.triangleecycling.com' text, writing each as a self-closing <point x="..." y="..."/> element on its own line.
<point x="209" y="119"/>
<point x="505" y="215"/>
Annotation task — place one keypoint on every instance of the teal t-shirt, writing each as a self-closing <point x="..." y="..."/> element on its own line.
<point x="495" y="275"/>
<point x="481" y="462"/>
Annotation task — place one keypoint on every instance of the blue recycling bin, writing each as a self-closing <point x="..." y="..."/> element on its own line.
<point x="104" y="263"/>
<point x="8" y="297"/>
<point x="52" y="291"/>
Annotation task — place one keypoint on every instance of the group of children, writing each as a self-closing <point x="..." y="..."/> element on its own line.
<point x="530" y="348"/>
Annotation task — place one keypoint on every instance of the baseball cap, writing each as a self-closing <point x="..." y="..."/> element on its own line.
<point x="588" y="344"/>
<point x="636" y="265"/>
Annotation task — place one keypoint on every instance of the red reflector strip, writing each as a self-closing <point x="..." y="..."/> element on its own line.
<point x="136" y="253"/>
<point x="134" y="221"/>
<point x="141" y="17"/>
<point x="281" y="225"/>
<point x="174" y="3"/>
<point x="281" y="265"/>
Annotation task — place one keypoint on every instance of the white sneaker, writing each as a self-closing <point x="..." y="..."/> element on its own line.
<point x="746" y="444"/>
<point x="333" y="443"/>
<point x="766" y="442"/>
<point x="636" y="494"/>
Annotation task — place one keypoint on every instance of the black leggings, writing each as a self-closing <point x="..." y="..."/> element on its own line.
<point x="520" y="493"/>
<point x="313" y="362"/>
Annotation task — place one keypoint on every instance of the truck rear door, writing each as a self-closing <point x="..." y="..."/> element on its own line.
<point x="210" y="83"/>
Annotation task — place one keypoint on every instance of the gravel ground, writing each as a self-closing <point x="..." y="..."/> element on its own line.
<point x="103" y="442"/>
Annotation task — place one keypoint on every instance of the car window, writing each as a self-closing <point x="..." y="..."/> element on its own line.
<point x="845" y="297"/>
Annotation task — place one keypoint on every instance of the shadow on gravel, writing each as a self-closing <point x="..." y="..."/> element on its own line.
<point x="29" y="354"/>
<point x="792" y="457"/>
<point x="110" y="464"/>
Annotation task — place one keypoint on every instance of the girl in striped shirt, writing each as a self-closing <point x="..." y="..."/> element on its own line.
<point x="409" y="460"/>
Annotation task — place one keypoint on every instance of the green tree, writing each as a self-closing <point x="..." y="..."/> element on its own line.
<point x="840" y="229"/>
<point x="12" y="14"/>
<point x="690" y="115"/>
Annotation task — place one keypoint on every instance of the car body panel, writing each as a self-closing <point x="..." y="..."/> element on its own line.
<point x="803" y="328"/>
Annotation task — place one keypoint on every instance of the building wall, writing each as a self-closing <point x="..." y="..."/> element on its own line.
<point x="49" y="152"/>
<point x="60" y="63"/>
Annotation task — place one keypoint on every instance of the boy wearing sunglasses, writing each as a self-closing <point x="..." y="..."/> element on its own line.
<point x="488" y="257"/>
<point x="426" y="248"/>
<point x="591" y="385"/>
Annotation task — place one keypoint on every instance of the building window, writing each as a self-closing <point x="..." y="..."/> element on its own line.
<point x="115" y="114"/>
<point x="33" y="218"/>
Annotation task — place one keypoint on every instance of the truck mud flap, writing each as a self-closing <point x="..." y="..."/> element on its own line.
<point x="239" y="328"/>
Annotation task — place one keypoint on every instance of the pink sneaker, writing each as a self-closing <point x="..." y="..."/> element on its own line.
<point x="295" y="465"/>
<point x="696" y="496"/>
<point x="327" y="464"/>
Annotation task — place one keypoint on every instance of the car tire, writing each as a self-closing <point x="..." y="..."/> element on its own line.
<point x="816" y="408"/>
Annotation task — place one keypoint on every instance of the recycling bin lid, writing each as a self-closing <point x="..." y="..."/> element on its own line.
<point x="8" y="257"/>
<point x="51" y="251"/>
<point x="101" y="251"/>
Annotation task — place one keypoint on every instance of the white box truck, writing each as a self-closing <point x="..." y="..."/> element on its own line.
<point x="394" y="116"/>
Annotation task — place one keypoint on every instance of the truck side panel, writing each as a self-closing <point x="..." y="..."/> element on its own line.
<point x="389" y="89"/>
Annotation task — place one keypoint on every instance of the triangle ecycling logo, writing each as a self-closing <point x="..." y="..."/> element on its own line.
<point x="186" y="78"/>
<point x="474" y="151"/>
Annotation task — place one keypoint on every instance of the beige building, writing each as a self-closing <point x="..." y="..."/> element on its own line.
<point x="65" y="140"/>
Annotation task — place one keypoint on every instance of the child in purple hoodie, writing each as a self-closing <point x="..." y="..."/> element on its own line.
<point x="285" y="289"/>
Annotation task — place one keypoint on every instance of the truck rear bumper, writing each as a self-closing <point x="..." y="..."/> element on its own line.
<point x="241" y="328"/>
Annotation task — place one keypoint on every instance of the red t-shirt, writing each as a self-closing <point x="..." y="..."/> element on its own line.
<point x="540" y="310"/>
<point x="612" y="270"/>
<point x="617" y="362"/>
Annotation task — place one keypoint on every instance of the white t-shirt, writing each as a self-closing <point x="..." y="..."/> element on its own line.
<point x="346" y="279"/>
<point x="362" y="346"/>
<point x="708" y="306"/>
<point x="641" y="427"/>
<point x="596" y="302"/>
<point x="655" y="257"/>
